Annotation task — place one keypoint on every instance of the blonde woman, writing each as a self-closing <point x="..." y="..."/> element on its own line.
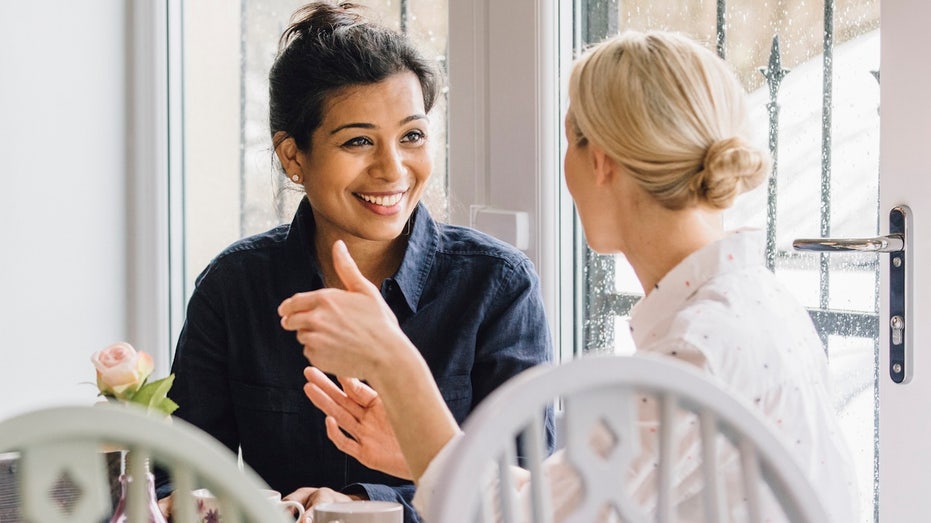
<point x="658" y="147"/>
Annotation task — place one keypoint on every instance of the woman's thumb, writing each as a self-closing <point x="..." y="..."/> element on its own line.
<point x="348" y="271"/>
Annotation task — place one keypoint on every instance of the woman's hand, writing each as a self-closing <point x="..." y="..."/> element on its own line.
<point x="164" y="505"/>
<point x="344" y="332"/>
<point x="358" y="410"/>
<point x="310" y="496"/>
<point x="354" y="333"/>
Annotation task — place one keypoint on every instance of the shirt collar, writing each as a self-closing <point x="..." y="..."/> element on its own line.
<point x="736" y="251"/>
<point x="411" y="276"/>
<point x="302" y="258"/>
<point x="422" y="244"/>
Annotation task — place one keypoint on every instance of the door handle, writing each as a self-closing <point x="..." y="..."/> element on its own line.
<point x="891" y="243"/>
<point x="898" y="245"/>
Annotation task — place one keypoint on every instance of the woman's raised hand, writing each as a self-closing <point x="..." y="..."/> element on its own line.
<point x="353" y="332"/>
<point x="358" y="410"/>
<point x="344" y="332"/>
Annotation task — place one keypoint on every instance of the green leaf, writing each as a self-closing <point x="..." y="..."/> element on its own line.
<point x="167" y="406"/>
<point x="154" y="396"/>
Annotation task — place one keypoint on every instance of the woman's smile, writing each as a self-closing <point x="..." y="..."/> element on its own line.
<point x="383" y="203"/>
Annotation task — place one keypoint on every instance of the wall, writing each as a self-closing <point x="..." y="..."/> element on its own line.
<point x="63" y="215"/>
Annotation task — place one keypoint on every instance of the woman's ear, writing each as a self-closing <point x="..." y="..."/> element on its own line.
<point x="288" y="153"/>
<point x="603" y="166"/>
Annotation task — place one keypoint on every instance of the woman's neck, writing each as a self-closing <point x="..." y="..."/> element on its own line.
<point x="663" y="238"/>
<point x="377" y="260"/>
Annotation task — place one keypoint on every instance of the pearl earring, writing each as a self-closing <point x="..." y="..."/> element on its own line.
<point x="295" y="178"/>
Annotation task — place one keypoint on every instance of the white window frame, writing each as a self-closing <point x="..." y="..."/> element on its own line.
<point x="504" y="133"/>
<point x="147" y="318"/>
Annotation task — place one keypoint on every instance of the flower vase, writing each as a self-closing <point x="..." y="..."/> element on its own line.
<point x="152" y="514"/>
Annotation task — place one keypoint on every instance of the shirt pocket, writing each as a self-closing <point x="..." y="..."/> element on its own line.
<point x="266" y="399"/>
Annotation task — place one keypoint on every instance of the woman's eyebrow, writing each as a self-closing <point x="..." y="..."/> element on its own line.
<point x="364" y="125"/>
<point x="413" y="117"/>
<point x="359" y="125"/>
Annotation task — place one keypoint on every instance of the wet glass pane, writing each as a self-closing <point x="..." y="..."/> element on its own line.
<point x="826" y="143"/>
<point x="852" y="371"/>
<point x="233" y="187"/>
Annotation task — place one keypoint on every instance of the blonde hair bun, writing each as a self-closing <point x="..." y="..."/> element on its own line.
<point x="730" y="167"/>
<point x="672" y="114"/>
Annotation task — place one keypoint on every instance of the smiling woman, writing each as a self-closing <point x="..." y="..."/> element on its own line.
<point x="349" y="106"/>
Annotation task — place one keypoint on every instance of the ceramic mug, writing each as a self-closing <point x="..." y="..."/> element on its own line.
<point x="208" y="508"/>
<point x="359" y="512"/>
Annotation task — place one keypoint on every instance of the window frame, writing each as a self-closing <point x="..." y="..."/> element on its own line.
<point x="152" y="189"/>
<point x="505" y="134"/>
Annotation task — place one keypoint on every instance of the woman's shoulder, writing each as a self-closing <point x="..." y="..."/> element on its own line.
<point x="461" y="241"/>
<point x="257" y="243"/>
<point x="739" y="326"/>
<point x="255" y="249"/>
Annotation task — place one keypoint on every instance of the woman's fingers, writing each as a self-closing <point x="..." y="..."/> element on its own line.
<point x="357" y="391"/>
<point x="333" y="398"/>
<point x="342" y="442"/>
<point x="329" y="407"/>
<point x="349" y="274"/>
<point x="325" y="403"/>
<point x="304" y="302"/>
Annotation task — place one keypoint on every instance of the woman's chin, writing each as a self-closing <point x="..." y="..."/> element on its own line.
<point x="386" y="233"/>
<point x="603" y="247"/>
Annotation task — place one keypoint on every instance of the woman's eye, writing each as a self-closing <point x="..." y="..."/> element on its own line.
<point x="358" y="141"/>
<point x="414" y="137"/>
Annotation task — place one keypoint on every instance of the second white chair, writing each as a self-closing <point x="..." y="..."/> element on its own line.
<point x="694" y="428"/>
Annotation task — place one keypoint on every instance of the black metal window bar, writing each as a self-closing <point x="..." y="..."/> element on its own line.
<point x="601" y="306"/>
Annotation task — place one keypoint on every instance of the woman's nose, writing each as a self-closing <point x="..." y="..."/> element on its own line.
<point x="390" y="163"/>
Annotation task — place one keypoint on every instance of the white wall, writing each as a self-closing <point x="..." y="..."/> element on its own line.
<point x="63" y="210"/>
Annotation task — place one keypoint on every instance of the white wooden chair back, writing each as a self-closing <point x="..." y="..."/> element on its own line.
<point x="610" y="392"/>
<point x="69" y="443"/>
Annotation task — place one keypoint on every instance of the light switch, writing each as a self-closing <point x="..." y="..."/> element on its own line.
<point x="508" y="226"/>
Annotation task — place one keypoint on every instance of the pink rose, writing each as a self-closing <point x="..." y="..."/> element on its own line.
<point x="121" y="370"/>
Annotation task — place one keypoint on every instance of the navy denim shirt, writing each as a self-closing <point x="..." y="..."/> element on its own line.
<point x="470" y="303"/>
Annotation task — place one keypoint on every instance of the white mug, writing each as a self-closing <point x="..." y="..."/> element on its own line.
<point x="359" y="512"/>
<point x="208" y="508"/>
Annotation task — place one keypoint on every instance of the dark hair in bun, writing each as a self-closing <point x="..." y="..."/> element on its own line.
<point x="328" y="47"/>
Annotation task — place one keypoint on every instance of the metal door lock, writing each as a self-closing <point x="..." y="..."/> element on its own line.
<point x="897" y="325"/>
<point x="898" y="244"/>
